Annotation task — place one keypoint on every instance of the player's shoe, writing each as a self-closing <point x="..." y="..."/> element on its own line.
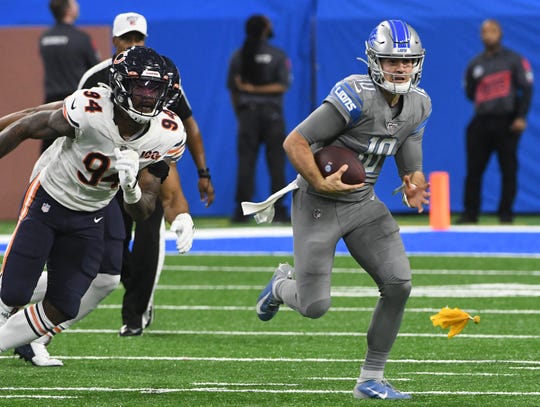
<point x="128" y="331"/>
<point x="378" y="389"/>
<point x="37" y="354"/>
<point x="267" y="303"/>
<point x="148" y="316"/>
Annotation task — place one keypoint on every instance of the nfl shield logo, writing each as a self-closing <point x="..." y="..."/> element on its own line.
<point x="45" y="207"/>
<point x="317" y="213"/>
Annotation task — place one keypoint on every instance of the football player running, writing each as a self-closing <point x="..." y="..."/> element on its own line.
<point x="376" y="115"/>
<point x="110" y="139"/>
<point x="176" y="210"/>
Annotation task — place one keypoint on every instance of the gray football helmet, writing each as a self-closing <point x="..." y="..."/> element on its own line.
<point x="394" y="39"/>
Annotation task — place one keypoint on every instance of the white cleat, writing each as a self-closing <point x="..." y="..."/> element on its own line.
<point x="37" y="354"/>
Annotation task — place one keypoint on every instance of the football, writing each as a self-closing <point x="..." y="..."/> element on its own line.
<point x="329" y="159"/>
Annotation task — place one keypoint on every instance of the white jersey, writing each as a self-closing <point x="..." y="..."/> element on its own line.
<point x="80" y="172"/>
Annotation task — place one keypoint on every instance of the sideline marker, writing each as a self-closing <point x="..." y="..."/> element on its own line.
<point x="439" y="208"/>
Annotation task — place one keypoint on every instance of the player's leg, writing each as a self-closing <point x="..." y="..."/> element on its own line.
<point x="148" y="315"/>
<point x="375" y="243"/>
<point x="316" y="233"/>
<point x="69" y="275"/>
<point x="144" y="263"/>
<point x="105" y="282"/>
<point x="23" y="261"/>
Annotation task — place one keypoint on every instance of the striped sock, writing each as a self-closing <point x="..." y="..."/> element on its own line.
<point x="24" y="326"/>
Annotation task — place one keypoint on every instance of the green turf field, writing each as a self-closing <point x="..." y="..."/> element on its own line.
<point x="206" y="346"/>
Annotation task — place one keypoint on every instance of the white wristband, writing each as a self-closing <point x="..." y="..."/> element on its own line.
<point x="132" y="195"/>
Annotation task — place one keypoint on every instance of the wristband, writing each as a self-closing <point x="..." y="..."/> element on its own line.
<point x="204" y="172"/>
<point x="132" y="195"/>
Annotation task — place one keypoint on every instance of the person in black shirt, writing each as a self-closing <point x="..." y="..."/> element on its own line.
<point x="259" y="75"/>
<point x="500" y="83"/>
<point x="67" y="53"/>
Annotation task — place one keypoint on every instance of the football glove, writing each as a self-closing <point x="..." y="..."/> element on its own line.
<point x="184" y="229"/>
<point x="127" y="165"/>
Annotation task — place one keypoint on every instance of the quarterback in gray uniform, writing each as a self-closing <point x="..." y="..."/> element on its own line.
<point x="376" y="115"/>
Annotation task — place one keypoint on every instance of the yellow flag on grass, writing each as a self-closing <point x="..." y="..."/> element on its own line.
<point x="455" y="318"/>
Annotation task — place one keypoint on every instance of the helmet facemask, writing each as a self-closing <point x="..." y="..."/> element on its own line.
<point x="394" y="39"/>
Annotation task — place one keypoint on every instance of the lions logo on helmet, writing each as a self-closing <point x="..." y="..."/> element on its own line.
<point x="139" y="81"/>
<point x="394" y="39"/>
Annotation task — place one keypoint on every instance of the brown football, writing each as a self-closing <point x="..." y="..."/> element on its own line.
<point x="329" y="159"/>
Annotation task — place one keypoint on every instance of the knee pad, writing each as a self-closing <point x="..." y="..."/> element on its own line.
<point x="105" y="283"/>
<point x="316" y="309"/>
<point x="100" y="288"/>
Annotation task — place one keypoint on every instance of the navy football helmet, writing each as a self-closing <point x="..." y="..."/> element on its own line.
<point x="174" y="91"/>
<point x="394" y="39"/>
<point x="139" y="81"/>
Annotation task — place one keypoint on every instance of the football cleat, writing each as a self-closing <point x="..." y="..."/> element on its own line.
<point x="378" y="389"/>
<point x="148" y="317"/>
<point x="267" y="303"/>
<point x="37" y="354"/>
<point x="128" y="331"/>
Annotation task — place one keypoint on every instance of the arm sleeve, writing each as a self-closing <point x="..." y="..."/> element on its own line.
<point x="182" y="107"/>
<point x="159" y="170"/>
<point x="409" y="156"/>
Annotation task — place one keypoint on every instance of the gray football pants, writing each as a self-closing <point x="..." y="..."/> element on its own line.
<point x="372" y="237"/>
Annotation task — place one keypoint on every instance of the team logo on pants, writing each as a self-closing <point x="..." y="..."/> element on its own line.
<point x="45" y="207"/>
<point x="317" y="213"/>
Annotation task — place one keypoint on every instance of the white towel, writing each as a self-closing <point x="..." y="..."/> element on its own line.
<point x="263" y="212"/>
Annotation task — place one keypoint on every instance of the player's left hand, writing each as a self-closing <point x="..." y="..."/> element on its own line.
<point x="127" y="165"/>
<point x="184" y="228"/>
<point x="417" y="194"/>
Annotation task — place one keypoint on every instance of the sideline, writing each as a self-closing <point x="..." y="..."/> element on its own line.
<point x="502" y="241"/>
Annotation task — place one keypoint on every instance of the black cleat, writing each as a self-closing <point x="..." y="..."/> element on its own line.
<point x="128" y="331"/>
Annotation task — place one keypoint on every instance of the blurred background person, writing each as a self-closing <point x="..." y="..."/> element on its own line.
<point x="259" y="74"/>
<point x="66" y="52"/>
<point x="500" y="83"/>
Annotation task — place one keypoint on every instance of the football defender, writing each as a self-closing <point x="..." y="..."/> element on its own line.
<point x="110" y="136"/>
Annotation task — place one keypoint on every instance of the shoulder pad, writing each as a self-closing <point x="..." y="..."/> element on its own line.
<point x="348" y="101"/>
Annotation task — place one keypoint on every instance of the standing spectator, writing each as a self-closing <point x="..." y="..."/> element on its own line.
<point x="377" y="115"/>
<point x="66" y="51"/>
<point x="259" y="75"/>
<point x="500" y="83"/>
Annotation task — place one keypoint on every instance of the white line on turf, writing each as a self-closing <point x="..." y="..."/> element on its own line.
<point x="351" y="270"/>
<point x="289" y="333"/>
<point x="333" y="309"/>
<point x="296" y="360"/>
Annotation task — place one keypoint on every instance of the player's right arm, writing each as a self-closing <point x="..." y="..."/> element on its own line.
<point x="301" y="157"/>
<point x="49" y="124"/>
<point x="13" y="117"/>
